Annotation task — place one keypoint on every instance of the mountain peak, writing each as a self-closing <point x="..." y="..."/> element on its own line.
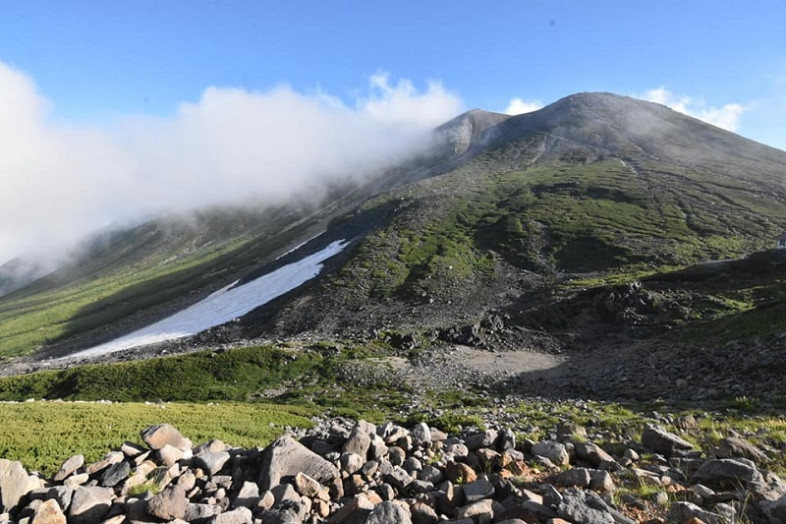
<point x="465" y="129"/>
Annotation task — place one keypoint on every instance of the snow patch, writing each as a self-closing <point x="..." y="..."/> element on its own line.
<point x="228" y="303"/>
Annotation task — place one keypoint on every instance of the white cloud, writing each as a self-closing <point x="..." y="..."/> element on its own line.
<point x="518" y="106"/>
<point x="400" y="104"/>
<point x="61" y="182"/>
<point x="726" y="117"/>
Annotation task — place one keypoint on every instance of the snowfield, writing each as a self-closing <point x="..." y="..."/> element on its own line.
<point x="222" y="306"/>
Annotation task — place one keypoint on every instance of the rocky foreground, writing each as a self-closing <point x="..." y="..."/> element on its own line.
<point x="356" y="472"/>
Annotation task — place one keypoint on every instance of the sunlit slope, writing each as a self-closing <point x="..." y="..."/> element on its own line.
<point x="593" y="184"/>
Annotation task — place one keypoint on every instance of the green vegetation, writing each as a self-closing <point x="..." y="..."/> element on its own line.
<point x="599" y="218"/>
<point x="44" y="434"/>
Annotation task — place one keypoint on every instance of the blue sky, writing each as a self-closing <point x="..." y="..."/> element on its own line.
<point x="96" y="61"/>
<point x="114" y="110"/>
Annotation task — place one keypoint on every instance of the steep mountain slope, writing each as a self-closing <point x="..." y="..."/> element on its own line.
<point x="594" y="183"/>
<point x="500" y="215"/>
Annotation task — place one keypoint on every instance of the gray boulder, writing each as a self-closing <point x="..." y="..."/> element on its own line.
<point x="212" y="462"/>
<point x="685" y="511"/>
<point x="661" y="441"/>
<point x="575" y="477"/>
<point x="388" y="513"/>
<point x="89" y="505"/>
<point x="15" y="483"/>
<point x="477" y="490"/>
<point x="114" y="474"/>
<point x="577" y="507"/>
<point x="170" y="504"/>
<point x="236" y="516"/>
<point x="68" y="467"/>
<point x="286" y="457"/>
<point x="49" y="512"/>
<point x="159" y="436"/>
<point x="556" y="452"/>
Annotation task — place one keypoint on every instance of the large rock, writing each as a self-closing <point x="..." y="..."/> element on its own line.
<point x="556" y="452"/>
<point x="574" y="477"/>
<point x="286" y="457"/>
<point x="49" y="512"/>
<point x="775" y="509"/>
<point x="15" y="483"/>
<point x="61" y="494"/>
<point x="577" y="507"/>
<point x="89" y="505"/>
<point x="114" y="474"/>
<point x="111" y="458"/>
<point x="159" y="436"/>
<point x="359" y="440"/>
<point x="306" y="486"/>
<point x="353" y="512"/>
<point x="236" y="516"/>
<point x="170" y="504"/>
<point x="68" y="467"/>
<point x="714" y="471"/>
<point x="482" y="510"/>
<point x="592" y="453"/>
<point x="388" y="513"/>
<point x="737" y="447"/>
<point x="689" y="512"/>
<point x="480" y="489"/>
<point x="212" y="462"/>
<point x="421" y="434"/>
<point x="247" y="497"/>
<point x="661" y="441"/>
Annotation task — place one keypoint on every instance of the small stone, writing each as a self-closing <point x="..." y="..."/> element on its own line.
<point x="353" y="512"/>
<point x="460" y="473"/>
<point x="307" y="486"/>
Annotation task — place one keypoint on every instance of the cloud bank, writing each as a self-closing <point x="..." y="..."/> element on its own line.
<point x="61" y="182"/>
<point x="726" y="117"/>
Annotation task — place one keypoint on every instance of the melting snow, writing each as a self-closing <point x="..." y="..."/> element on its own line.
<point x="222" y="306"/>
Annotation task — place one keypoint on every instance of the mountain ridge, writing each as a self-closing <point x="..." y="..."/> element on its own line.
<point x="501" y="207"/>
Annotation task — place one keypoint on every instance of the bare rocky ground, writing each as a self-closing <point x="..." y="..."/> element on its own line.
<point x="356" y="472"/>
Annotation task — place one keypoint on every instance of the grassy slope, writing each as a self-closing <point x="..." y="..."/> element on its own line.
<point x="556" y="216"/>
<point x="137" y="274"/>
<point x="44" y="434"/>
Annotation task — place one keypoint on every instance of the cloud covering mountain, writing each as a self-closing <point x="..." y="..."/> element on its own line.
<point x="62" y="181"/>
